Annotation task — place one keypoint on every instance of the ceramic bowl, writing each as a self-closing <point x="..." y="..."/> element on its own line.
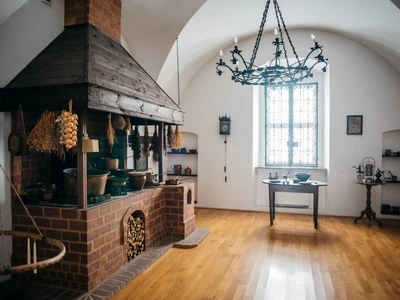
<point x="302" y="176"/>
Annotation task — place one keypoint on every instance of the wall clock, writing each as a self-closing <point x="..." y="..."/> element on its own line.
<point x="225" y="125"/>
<point x="225" y="129"/>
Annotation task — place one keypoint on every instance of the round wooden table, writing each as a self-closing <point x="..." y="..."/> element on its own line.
<point x="368" y="212"/>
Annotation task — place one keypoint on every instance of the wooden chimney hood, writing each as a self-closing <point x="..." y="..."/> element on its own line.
<point x="93" y="69"/>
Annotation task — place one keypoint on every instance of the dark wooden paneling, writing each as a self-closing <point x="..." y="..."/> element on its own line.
<point x="80" y="57"/>
<point x="61" y="62"/>
<point x="112" y="67"/>
<point x="50" y="98"/>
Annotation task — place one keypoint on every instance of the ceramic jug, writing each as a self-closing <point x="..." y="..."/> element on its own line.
<point x="177" y="169"/>
<point x="188" y="171"/>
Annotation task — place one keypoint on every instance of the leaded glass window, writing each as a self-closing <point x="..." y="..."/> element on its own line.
<point x="291" y="125"/>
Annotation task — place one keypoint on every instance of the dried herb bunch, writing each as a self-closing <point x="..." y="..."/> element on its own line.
<point x="119" y="122"/>
<point x="177" y="139"/>
<point x="165" y="140"/>
<point x="110" y="133"/>
<point x="170" y="134"/>
<point x="154" y="144"/>
<point x="59" y="137"/>
<point x="43" y="136"/>
<point x="128" y="126"/>
<point x="136" y="143"/>
<point x="146" y="142"/>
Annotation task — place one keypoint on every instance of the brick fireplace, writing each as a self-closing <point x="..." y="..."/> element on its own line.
<point x="100" y="77"/>
<point x="96" y="238"/>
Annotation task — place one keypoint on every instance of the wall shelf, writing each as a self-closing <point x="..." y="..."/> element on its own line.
<point x="390" y="213"/>
<point x="185" y="160"/>
<point x="182" y="175"/>
<point x="182" y="153"/>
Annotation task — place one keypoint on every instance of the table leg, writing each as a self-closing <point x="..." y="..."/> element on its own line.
<point x="368" y="212"/>
<point x="315" y="206"/>
<point x="363" y="213"/>
<point x="271" y="206"/>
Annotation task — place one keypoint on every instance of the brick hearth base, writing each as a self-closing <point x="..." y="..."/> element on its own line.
<point x="95" y="238"/>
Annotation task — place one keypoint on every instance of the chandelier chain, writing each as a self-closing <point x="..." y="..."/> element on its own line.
<point x="280" y="32"/>
<point x="278" y="70"/>
<point x="260" y="32"/>
<point x="287" y="33"/>
<point x="177" y="71"/>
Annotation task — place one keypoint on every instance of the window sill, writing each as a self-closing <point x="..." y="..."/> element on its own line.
<point x="288" y="168"/>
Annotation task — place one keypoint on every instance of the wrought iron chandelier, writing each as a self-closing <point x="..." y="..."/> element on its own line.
<point x="278" y="70"/>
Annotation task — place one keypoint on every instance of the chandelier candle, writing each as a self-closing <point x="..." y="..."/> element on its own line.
<point x="278" y="70"/>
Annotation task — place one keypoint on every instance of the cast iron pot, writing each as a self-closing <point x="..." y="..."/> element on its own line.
<point x="138" y="179"/>
<point x="122" y="172"/>
<point x="172" y="181"/>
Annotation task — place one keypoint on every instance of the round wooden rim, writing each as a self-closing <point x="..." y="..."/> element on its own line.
<point x="37" y="265"/>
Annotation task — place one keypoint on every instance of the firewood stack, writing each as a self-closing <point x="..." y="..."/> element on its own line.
<point x="135" y="237"/>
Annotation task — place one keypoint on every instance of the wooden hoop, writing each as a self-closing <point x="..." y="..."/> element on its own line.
<point x="38" y="265"/>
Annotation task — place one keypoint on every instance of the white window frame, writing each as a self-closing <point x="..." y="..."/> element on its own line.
<point x="317" y="139"/>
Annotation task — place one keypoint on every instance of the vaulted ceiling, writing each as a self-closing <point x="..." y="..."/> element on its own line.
<point x="204" y="26"/>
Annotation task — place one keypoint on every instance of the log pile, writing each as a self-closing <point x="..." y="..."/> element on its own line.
<point x="135" y="236"/>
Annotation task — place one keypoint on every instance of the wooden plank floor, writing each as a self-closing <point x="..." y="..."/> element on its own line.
<point x="245" y="258"/>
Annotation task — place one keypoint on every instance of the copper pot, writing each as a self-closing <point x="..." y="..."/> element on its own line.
<point x="96" y="182"/>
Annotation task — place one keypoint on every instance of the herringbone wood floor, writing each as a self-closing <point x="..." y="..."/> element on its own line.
<point x="245" y="258"/>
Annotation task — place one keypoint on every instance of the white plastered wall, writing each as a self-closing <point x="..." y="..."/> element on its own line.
<point x="25" y="33"/>
<point x="359" y="82"/>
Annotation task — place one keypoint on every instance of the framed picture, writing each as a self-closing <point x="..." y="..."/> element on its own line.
<point x="355" y="124"/>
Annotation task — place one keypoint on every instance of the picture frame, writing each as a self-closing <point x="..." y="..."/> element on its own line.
<point x="354" y="124"/>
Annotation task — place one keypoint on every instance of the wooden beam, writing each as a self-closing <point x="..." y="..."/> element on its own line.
<point x="160" y="151"/>
<point x="109" y="101"/>
<point x="82" y="162"/>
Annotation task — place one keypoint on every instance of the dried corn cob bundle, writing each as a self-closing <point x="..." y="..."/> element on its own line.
<point x="70" y="128"/>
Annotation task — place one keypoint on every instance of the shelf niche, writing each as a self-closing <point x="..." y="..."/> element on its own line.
<point x="390" y="192"/>
<point x="187" y="159"/>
